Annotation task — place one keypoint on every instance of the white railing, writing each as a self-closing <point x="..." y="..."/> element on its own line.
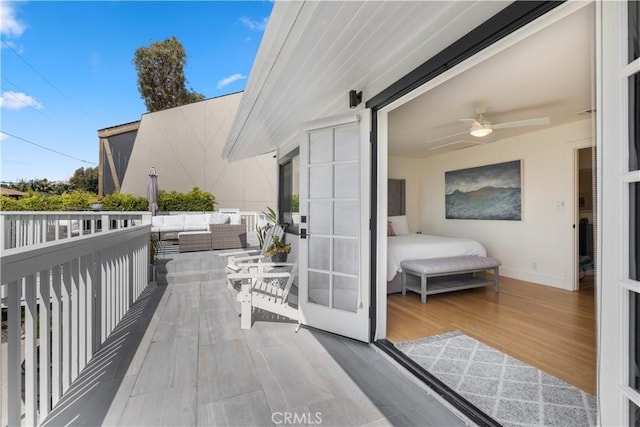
<point x="72" y="293"/>
<point x="22" y="229"/>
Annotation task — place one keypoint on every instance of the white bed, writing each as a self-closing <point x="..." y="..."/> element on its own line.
<point x="419" y="246"/>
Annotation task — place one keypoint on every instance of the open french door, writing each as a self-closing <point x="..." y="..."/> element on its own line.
<point x="334" y="291"/>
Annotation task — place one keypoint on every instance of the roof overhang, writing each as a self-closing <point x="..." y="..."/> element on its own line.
<point x="313" y="53"/>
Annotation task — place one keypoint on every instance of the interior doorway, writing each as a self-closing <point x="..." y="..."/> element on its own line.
<point x="585" y="209"/>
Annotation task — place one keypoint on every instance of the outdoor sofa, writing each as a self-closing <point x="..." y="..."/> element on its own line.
<point x="228" y="231"/>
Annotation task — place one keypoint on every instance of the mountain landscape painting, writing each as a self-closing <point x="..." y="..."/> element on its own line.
<point x="492" y="192"/>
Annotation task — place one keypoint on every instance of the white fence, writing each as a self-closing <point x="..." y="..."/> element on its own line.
<point x="21" y="229"/>
<point x="72" y="292"/>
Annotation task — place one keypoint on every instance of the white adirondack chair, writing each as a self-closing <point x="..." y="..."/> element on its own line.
<point x="266" y="290"/>
<point x="238" y="261"/>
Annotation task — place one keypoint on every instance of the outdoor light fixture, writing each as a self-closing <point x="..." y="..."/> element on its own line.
<point x="355" y="98"/>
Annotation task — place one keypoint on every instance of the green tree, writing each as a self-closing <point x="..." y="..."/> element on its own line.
<point x="161" y="80"/>
<point x="85" y="180"/>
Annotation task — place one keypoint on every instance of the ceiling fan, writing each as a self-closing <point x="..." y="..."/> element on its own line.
<point x="480" y="127"/>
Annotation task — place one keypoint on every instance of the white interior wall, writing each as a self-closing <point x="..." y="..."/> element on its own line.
<point x="538" y="248"/>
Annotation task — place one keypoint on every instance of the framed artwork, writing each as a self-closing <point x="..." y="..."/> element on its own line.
<point x="491" y="192"/>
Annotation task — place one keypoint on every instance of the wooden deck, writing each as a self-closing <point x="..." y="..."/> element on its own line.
<point x="179" y="357"/>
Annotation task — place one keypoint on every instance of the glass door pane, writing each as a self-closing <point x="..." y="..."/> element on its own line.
<point x="333" y="218"/>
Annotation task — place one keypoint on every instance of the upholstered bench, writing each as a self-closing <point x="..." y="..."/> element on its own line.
<point x="194" y="241"/>
<point x="451" y="266"/>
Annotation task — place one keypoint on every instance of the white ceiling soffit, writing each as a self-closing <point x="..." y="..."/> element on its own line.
<point x="314" y="52"/>
<point x="548" y="74"/>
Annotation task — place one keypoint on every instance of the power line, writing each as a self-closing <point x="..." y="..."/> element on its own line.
<point x="47" y="148"/>
<point x="48" y="109"/>
<point x="43" y="77"/>
<point x="25" y="92"/>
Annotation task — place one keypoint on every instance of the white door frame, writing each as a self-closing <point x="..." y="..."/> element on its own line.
<point x="613" y="72"/>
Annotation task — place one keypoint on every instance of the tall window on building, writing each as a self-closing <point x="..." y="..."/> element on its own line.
<point x="289" y="191"/>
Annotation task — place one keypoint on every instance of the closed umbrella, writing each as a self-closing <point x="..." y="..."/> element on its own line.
<point x="152" y="191"/>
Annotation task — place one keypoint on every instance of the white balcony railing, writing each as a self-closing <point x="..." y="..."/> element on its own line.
<point x="71" y="293"/>
<point x="21" y="229"/>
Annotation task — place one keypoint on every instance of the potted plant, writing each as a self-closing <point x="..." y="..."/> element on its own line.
<point x="97" y="205"/>
<point x="278" y="250"/>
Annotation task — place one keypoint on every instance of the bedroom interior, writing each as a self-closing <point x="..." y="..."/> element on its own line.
<point x="544" y="313"/>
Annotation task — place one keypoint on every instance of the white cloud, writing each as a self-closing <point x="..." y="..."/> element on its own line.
<point x="17" y="100"/>
<point x="252" y="24"/>
<point x="228" y="80"/>
<point x="9" y="24"/>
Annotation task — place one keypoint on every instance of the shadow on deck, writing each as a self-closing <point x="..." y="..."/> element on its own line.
<point x="179" y="357"/>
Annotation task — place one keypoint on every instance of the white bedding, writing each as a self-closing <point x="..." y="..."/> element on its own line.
<point x="418" y="246"/>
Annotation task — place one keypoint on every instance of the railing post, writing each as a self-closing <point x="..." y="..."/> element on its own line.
<point x="82" y="314"/>
<point x="13" y="354"/>
<point x="75" y="317"/>
<point x="96" y="284"/>
<point x="45" y="345"/>
<point x="66" y="326"/>
<point x="56" y="334"/>
<point x="30" y="344"/>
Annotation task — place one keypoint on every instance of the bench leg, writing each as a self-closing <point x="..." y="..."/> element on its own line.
<point x="423" y="289"/>
<point x="495" y="278"/>
<point x="403" y="283"/>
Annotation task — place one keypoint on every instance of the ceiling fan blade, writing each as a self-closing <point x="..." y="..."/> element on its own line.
<point x="520" y="123"/>
<point x="431" y="141"/>
<point x="474" y="122"/>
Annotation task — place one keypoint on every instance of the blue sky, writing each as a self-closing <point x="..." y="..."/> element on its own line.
<point x="67" y="70"/>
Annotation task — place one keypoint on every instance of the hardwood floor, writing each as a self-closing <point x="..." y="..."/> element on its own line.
<point x="549" y="328"/>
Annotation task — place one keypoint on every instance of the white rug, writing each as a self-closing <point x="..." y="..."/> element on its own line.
<point x="510" y="391"/>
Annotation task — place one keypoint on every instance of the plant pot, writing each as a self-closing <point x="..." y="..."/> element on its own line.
<point x="281" y="257"/>
<point x="96" y="206"/>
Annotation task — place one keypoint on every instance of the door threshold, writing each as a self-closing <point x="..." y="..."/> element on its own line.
<point x="454" y="399"/>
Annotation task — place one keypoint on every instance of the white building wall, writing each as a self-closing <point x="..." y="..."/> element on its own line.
<point x="536" y="249"/>
<point x="185" y="143"/>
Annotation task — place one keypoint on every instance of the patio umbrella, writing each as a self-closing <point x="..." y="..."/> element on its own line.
<point x="152" y="191"/>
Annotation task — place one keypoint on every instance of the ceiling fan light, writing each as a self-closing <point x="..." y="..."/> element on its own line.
<point x="481" y="131"/>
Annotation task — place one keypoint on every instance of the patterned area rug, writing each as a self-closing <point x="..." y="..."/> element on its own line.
<point x="510" y="391"/>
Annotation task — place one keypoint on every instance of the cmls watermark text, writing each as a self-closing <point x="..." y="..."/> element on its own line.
<point x="290" y="418"/>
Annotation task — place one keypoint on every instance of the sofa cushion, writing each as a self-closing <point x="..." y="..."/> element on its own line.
<point x="195" y="222"/>
<point x="156" y="223"/>
<point x="173" y="223"/>
<point x="219" y="218"/>
<point x="235" y="219"/>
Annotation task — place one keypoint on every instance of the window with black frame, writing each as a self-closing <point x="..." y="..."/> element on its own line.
<point x="289" y="191"/>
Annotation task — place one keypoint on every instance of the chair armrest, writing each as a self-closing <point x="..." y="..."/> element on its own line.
<point x="228" y="254"/>
<point x="274" y="275"/>
<point x="244" y="260"/>
<point x="266" y="264"/>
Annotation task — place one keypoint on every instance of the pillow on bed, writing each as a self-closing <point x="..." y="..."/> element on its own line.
<point x="390" y="231"/>
<point x="399" y="224"/>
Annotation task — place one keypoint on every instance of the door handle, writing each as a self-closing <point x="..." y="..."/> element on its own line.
<point x="303" y="233"/>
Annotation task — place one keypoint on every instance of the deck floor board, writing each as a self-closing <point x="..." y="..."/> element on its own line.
<point x="193" y="365"/>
